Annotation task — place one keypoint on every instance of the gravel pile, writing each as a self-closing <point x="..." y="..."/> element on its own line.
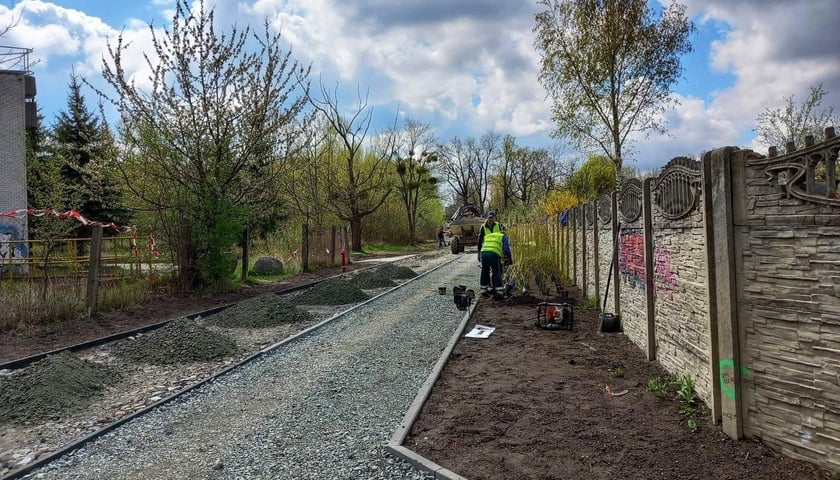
<point x="322" y="407"/>
<point x="369" y="279"/>
<point x="336" y="291"/>
<point x="396" y="272"/>
<point x="180" y="341"/>
<point x="264" y="311"/>
<point x="52" y="388"/>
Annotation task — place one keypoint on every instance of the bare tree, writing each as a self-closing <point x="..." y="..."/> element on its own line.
<point x="791" y="123"/>
<point x="12" y="24"/>
<point x="453" y="163"/>
<point x="506" y="171"/>
<point x="358" y="183"/>
<point x="414" y="159"/>
<point x="304" y="183"/>
<point x="483" y="156"/>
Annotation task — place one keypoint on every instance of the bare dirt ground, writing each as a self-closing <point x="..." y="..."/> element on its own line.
<point x="531" y="404"/>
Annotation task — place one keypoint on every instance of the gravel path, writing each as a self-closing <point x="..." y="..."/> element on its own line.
<point x="322" y="407"/>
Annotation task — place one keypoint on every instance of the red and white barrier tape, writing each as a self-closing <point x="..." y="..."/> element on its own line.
<point x="75" y="214"/>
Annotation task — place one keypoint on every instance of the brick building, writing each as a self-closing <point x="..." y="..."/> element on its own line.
<point x="17" y="112"/>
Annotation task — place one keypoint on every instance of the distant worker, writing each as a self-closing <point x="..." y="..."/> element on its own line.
<point x="493" y="250"/>
<point x="441" y="241"/>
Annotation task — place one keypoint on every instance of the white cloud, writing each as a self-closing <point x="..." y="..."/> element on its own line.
<point x="470" y="66"/>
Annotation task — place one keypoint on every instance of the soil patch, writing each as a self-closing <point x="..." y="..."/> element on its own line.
<point x="532" y="404"/>
<point x="264" y="311"/>
<point x="180" y="341"/>
<point x="52" y="388"/>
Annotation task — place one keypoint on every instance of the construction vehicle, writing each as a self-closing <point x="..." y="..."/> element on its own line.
<point x="464" y="227"/>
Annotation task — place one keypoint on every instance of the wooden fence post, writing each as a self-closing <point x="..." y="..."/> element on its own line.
<point x="304" y="248"/>
<point x="333" y="245"/>
<point x="245" y="254"/>
<point x="93" y="272"/>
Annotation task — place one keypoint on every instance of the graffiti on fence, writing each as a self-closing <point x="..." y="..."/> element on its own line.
<point x="631" y="263"/>
<point x="666" y="279"/>
<point x="631" y="258"/>
<point x="11" y="252"/>
<point x="727" y="377"/>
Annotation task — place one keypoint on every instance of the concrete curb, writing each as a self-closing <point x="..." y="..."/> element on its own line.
<point x="394" y="446"/>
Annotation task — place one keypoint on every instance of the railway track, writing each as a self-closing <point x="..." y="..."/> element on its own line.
<point x="26" y="361"/>
<point x="62" y="447"/>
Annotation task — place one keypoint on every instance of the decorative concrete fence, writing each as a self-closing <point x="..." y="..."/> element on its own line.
<point x="728" y="269"/>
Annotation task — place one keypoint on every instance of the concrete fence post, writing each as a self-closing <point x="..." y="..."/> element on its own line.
<point x="583" y="253"/>
<point x="616" y="284"/>
<point x="574" y="246"/>
<point x="722" y="293"/>
<point x="650" y="280"/>
<point x="596" y="254"/>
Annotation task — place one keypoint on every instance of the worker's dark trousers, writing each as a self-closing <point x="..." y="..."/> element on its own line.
<point x="491" y="273"/>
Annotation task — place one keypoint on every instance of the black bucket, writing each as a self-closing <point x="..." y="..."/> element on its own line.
<point x="609" y="323"/>
<point x="462" y="296"/>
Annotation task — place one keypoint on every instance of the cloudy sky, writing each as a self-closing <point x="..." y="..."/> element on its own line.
<point x="469" y="66"/>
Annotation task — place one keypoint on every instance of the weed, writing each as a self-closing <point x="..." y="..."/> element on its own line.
<point x="685" y="389"/>
<point x="692" y="424"/>
<point x="590" y="304"/>
<point x="657" y="386"/>
<point x="617" y="372"/>
<point x="688" y="410"/>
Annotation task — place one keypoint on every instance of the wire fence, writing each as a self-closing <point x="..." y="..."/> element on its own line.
<point x="120" y="256"/>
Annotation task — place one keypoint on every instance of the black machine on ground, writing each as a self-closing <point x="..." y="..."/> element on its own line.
<point x="555" y="316"/>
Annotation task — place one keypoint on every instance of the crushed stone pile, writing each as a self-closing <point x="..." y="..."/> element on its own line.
<point x="336" y="291"/>
<point x="266" y="310"/>
<point x="372" y="279"/>
<point x="52" y="388"/>
<point x="180" y="341"/>
<point x="395" y="272"/>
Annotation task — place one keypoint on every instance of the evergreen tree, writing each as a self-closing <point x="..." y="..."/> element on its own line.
<point x="86" y="148"/>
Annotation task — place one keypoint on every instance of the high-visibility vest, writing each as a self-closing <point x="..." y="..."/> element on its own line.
<point x="493" y="243"/>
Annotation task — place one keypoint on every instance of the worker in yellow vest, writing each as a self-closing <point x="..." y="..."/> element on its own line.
<point x="493" y="252"/>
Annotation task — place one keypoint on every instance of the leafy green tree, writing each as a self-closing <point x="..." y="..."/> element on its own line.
<point x="791" y="122"/>
<point x="609" y="66"/>
<point x="205" y="138"/>
<point x="595" y="177"/>
<point x="416" y="185"/>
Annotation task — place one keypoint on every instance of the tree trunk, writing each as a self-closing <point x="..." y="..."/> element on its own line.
<point x="187" y="263"/>
<point x="356" y="228"/>
<point x="412" y="230"/>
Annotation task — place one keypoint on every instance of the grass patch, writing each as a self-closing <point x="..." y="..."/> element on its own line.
<point x="388" y="248"/>
<point x="30" y="304"/>
<point x="590" y="303"/>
